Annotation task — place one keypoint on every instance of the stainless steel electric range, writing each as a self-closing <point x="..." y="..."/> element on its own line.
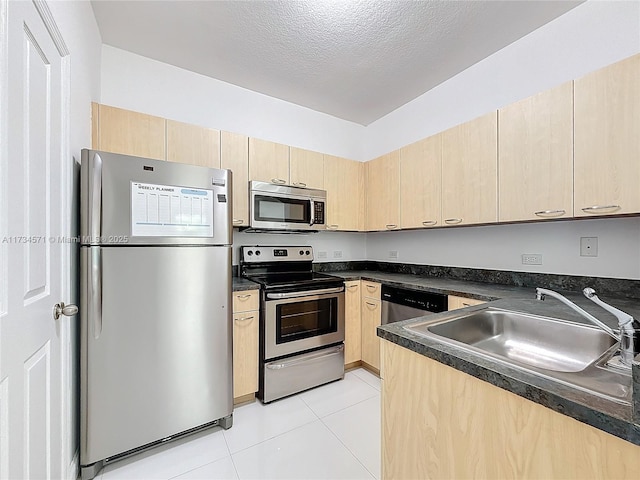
<point x="301" y="320"/>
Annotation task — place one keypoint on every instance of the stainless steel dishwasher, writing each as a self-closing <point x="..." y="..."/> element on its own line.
<point x="402" y="304"/>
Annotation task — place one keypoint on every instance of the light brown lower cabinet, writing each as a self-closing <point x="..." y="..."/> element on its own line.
<point x="371" y="319"/>
<point x="456" y="302"/>
<point x="245" y="345"/>
<point x="438" y="422"/>
<point x="353" y="323"/>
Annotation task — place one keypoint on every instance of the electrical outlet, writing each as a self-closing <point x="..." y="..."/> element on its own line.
<point x="337" y="254"/>
<point x="532" y="259"/>
<point x="322" y="255"/>
<point x="393" y="254"/>
<point x="588" y="246"/>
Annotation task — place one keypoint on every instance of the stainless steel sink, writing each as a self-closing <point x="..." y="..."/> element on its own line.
<point x="568" y="352"/>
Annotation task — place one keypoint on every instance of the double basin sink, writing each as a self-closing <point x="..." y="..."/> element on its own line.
<point x="570" y="353"/>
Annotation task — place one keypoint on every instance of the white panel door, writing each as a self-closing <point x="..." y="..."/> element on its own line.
<point x="33" y="260"/>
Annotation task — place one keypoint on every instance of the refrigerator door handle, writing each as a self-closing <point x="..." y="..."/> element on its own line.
<point x="95" y="290"/>
<point x="95" y="207"/>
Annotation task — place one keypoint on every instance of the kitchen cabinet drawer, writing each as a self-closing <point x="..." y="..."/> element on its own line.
<point x="245" y="353"/>
<point x="246" y="300"/>
<point x="456" y="302"/>
<point x="371" y="289"/>
<point x="353" y="322"/>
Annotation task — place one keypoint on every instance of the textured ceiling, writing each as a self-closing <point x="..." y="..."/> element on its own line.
<point x="356" y="60"/>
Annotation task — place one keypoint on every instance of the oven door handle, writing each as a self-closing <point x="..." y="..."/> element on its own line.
<point x="334" y="351"/>
<point x="305" y="293"/>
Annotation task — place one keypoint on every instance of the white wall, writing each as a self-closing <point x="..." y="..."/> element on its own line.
<point x="588" y="37"/>
<point x="138" y="83"/>
<point x="338" y="246"/>
<point x="500" y="247"/>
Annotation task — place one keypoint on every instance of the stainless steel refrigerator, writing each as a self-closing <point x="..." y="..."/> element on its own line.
<point x="156" y="331"/>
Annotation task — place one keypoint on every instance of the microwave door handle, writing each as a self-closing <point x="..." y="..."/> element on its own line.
<point x="313" y="212"/>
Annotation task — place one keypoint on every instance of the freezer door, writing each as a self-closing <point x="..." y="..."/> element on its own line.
<point x="156" y="344"/>
<point x="127" y="200"/>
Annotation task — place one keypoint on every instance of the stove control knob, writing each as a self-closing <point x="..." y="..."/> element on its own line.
<point x="250" y="252"/>
<point x="308" y="252"/>
<point x="301" y="252"/>
<point x="258" y="252"/>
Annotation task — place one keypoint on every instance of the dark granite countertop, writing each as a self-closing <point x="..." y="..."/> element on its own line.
<point x="609" y="416"/>
<point x="240" y="284"/>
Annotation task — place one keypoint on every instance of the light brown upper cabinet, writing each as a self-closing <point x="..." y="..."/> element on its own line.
<point x="306" y="168"/>
<point x="382" y="192"/>
<point x="469" y="172"/>
<point x="535" y="156"/>
<point x="607" y="140"/>
<point x="234" y="155"/>
<point x="421" y="183"/>
<point x="268" y="161"/>
<point x="344" y="183"/>
<point x="130" y="133"/>
<point x="192" y="144"/>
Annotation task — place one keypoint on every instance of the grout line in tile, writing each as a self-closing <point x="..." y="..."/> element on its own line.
<point x="348" y="449"/>
<point x="235" y="468"/>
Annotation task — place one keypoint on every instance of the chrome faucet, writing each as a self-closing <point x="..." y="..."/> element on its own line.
<point x="627" y="325"/>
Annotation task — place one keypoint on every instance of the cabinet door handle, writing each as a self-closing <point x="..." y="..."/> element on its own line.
<point x="372" y="288"/>
<point x="238" y="221"/>
<point x="429" y="223"/>
<point x="333" y="226"/>
<point x="391" y="226"/>
<point x="352" y="287"/>
<point x="453" y="221"/>
<point x="550" y="213"/>
<point x="596" y="208"/>
<point x="299" y="184"/>
<point x="374" y="305"/>
<point x="279" y="181"/>
<point x="244" y="318"/>
<point x="243" y="297"/>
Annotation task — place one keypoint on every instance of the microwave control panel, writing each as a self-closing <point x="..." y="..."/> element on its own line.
<point x="318" y="214"/>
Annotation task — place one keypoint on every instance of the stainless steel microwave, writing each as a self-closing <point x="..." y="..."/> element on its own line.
<point x="282" y="207"/>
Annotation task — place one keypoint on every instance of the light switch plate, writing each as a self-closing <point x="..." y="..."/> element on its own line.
<point x="532" y="259"/>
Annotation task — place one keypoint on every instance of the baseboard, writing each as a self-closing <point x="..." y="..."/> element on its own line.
<point x="244" y="399"/>
<point x="352" y="365"/>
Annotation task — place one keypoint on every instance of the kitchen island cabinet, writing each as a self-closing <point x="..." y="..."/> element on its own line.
<point x="607" y="140"/>
<point x="438" y="422"/>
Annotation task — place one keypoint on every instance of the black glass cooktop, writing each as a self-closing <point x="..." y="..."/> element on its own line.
<point x="296" y="280"/>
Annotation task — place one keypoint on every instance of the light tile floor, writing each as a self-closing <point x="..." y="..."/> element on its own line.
<point x="330" y="432"/>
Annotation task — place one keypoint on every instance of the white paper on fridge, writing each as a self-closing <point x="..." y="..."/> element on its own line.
<point x="170" y="211"/>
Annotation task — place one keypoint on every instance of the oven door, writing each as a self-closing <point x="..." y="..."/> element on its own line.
<point x="299" y="321"/>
